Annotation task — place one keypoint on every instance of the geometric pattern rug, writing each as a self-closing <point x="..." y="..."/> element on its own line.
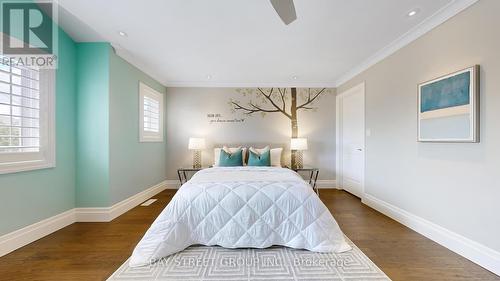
<point x="276" y="263"/>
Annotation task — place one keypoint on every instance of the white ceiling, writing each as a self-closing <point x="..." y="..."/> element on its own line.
<point x="244" y="43"/>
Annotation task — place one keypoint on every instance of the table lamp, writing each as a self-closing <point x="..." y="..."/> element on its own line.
<point x="196" y="145"/>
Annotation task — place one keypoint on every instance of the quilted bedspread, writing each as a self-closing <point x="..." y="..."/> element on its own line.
<point x="242" y="207"/>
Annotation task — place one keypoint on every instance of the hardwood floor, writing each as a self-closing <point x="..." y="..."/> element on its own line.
<point x="93" y="251"/>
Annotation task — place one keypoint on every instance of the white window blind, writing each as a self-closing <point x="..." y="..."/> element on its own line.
<point x="19" y="109"/>
<point x="151" y="114"/>
<point x="26" y="118"/>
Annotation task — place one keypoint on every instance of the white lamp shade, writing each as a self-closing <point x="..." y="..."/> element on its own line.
<point x="298" y="144"/>
<point x="196" y="143"/>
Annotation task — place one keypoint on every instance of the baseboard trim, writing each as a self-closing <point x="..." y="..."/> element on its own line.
<point x="107" y="214"/>
<point x="173" y="184"/>
<point x="469" y="249"/>
<point x="26" y="235"/>
<point x="22" y="237"/>
<point x="326" y="184"/>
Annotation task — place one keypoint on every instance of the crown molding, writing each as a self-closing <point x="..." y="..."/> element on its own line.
<point x="436" y="19"/>
<point x="439" y="17"/>
<point x="215" y="84"/>
<point x="135" y="62"/>
<point x="131" y="59"/>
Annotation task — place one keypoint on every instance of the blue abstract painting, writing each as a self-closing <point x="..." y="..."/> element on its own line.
<point x="449" y="92"/>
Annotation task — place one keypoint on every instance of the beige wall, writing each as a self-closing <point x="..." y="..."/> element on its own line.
<point x="186" y="116"/>
<point x="456" y="186"/>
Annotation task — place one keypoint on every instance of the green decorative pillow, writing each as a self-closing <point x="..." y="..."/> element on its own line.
<point x="231" y="159"/>
<point x="263" y="159"/>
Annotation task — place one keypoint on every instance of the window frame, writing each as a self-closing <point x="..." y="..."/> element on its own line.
<point x="147" y="136"/>
<point x="13" y="162"/>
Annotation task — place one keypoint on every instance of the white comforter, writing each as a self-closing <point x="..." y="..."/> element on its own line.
<point x="254" y="207"/>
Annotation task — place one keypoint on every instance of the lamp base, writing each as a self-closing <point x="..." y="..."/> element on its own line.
<point x="197" y="159"/>
<point x="299" y="160"/>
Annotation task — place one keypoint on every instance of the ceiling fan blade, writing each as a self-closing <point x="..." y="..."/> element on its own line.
<point x="285" y="9"/>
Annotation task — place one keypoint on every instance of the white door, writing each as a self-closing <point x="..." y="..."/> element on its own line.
<point x="351" y="140"/>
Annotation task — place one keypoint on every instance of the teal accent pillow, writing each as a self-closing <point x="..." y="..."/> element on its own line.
<point x="263" y="159"/>
<point x="231" y="159"/>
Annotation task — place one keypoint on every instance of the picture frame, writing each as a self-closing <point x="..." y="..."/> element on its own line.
<point x="448" y="107"/>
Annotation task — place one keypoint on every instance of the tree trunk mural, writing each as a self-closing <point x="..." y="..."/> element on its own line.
<point x="273" y="100"/>
<point x="295" y="123"/>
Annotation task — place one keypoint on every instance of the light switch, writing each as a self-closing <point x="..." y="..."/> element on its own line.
<point x="368" y="132"/>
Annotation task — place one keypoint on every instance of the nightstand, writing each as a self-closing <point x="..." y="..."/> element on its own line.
<point x="313" y="175"/>
<point x="184" y="172"/>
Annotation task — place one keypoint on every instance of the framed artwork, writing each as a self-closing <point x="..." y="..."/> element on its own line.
<point x="448" y="107"/>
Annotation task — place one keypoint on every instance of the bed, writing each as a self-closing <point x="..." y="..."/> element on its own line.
<point x="241" y="207"/>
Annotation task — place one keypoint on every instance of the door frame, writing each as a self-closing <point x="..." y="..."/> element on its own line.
<point x="338" y="135"/>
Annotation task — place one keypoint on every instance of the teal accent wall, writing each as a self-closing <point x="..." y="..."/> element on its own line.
<point x="135" y="166"/>
<point x="99" y="160"/>
<point x="112" y="164"/>
<point x="28" y="197"/>
<point x="92" y="180"/>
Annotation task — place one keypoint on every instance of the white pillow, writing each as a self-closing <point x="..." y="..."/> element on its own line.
<point x="275" y="154"/>
<point x="228" y="150"/>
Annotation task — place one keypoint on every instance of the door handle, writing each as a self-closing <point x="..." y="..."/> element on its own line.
<point x="359" y="149"/>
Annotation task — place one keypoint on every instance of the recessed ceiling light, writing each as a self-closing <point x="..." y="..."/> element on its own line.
<point x="122" y="33"/>
<point x="413" y="12"/>
<point x="209" y="77"/>
<point x="295" y="77"/>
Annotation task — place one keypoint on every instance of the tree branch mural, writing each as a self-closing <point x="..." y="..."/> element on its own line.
<point x="280" y="100"/>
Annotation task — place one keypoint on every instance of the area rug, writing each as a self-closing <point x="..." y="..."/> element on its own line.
<point x="276" y="263"/>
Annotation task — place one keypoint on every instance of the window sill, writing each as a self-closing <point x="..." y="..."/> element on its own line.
<point x="16" y="167"/>
<point x="150" y="140"/>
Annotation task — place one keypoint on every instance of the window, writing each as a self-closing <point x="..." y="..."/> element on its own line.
<point x="26" y="119"/>
<point x="151" y="114"/>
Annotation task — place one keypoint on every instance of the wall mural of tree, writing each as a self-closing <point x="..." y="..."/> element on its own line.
<point x="286" y="101"/>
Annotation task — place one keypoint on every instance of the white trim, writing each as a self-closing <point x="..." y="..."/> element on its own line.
<point x="439" y="17"/>
<point x="21" y="237"/>
<point x="132" y="59"/>
<point x="215" y="84"/>
<point x="442" y="15"/>
<point x="472" y="250"/>
<point x="326" y="184"/>
<point x="146" y="91"/>
<point x="338" y="134"/>
<point x="46" y="158"/>
<point x="106" y="214"/>
<point x="173" y="184"/>
<point x="16" y="167"/>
